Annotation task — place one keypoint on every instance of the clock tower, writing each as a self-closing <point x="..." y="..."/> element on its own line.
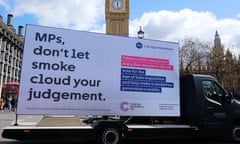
<point x="117" y="17"/>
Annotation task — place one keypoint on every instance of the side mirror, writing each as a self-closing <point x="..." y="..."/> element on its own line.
<point x="228" y="97"/>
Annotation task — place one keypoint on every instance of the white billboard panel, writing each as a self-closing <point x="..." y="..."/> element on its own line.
<point x="83" y="73"/>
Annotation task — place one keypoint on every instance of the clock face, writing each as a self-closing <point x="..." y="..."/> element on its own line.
<point x="117" y="4"/>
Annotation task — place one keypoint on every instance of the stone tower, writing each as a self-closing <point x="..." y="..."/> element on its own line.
<point x="117" y="17"/>
<point x="217" y="41"/>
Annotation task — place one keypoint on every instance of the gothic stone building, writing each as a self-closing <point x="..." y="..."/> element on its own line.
<point x="11" y="46"/>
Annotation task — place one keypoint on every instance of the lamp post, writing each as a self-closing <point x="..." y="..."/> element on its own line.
<point x="140" y="33"/>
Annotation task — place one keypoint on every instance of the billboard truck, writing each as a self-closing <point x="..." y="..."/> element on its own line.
<point x="125" y="88"/>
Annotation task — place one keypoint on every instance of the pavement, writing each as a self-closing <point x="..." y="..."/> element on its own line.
<point x="6" y="118"/>
<point x="9" y="118"/>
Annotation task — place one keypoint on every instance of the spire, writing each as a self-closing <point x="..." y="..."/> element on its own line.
<point x="217" y="40"/>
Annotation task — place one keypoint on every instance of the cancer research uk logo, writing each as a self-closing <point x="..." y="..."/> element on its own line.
<point x="139" y="45"/>
<point x="126" y="106"/>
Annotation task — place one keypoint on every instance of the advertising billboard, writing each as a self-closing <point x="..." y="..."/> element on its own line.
<point x="71" y="72"/>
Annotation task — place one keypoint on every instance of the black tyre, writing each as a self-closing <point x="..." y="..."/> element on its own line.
<point x="236" y="133"/>
<point x="109" y="135"/>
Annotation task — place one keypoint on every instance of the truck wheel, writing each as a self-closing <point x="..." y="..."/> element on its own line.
<point x="109" y="135"/>
<point x="236" y="133"/>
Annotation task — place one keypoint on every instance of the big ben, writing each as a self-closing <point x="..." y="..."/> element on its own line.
<point x="117" y="17"/>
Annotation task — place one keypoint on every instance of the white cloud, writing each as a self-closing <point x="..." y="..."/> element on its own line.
<point x="174" y="26"/>
<point x="5" y="4"/>
<point x="77" y="14"/>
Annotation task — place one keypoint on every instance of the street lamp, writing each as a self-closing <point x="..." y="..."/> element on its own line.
<point x="140" y="33"/>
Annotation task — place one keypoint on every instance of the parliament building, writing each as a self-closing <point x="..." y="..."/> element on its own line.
<point x="11" y="46"/>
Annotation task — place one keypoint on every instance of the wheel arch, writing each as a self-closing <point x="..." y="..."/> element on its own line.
<point x="107" y="123"/>
<point x="235" y="126"/>
<point x="105" y="127"/>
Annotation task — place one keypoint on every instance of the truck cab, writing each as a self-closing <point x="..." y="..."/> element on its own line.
<point x="208" y="106"/>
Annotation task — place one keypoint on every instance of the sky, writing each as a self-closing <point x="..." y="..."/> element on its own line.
<point x="169" y="20"/>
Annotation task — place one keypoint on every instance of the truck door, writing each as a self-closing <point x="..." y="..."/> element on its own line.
<point x="214" y="114"/>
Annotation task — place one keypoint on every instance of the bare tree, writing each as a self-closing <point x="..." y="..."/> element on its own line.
<point x="194" y="54"/>
<point x="200" y="57"/>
